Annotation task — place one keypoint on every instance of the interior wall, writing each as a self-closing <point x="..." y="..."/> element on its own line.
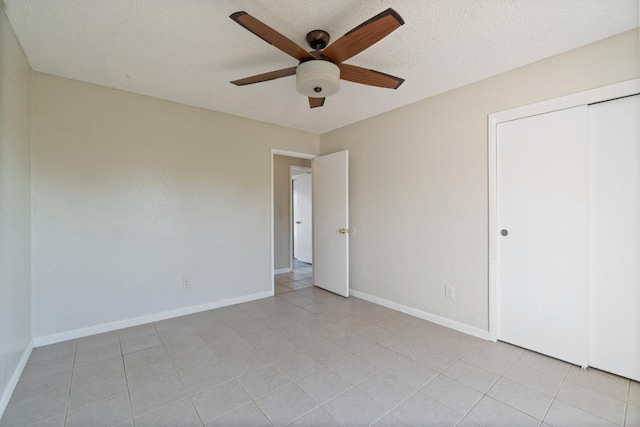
<point x="133" y="195"/>
<point x="419" y="180"/>
<point x="15" y="209"/>
<point x="282" y="208"/>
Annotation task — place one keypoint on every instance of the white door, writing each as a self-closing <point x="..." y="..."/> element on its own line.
<point x="331" y="222"/>
<point x="542" y="217"/>
<point x="614" y="333"/>
<point x="302" y="218"/>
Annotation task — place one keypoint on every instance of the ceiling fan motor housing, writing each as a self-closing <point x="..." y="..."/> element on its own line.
<point x="317" y="78"/>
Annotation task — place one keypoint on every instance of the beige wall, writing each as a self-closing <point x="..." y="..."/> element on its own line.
<point x="132" y="194"/>
<point x="418" y="180"/>
<point x="15" y="209"/>
<point x="282" y="208"/>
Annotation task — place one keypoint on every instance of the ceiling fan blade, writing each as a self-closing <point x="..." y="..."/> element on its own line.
<point x="364" y="35"/>
<point x="369" y="77"/>
<point x="270" y="35"/>
<point x="316" y="102"/>
<point x="272" y="75"/>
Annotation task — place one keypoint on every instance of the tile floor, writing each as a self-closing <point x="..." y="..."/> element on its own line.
<point x="307" y="357"/>
<point x="301" y="265"/>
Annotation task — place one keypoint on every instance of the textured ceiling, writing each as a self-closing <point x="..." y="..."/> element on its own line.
<point x="188" y="51"/>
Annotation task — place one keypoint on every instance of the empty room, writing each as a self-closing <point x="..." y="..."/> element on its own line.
<point x="320" y="213"/>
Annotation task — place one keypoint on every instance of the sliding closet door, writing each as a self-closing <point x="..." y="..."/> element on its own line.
<point x="542" y="217"/>
<point x="614" y="138"/>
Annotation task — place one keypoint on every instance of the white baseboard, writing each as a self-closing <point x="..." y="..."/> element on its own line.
<point x="439" y="320"/>
<point x="282" y="271"/>
<point x="6" y="395"/>
<point x="120" y="324"/>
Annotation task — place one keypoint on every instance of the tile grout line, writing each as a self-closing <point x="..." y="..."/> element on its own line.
<point x="73" y="369"/>
<point x="484" y="394"/>
<point x="395" y="333"/>
<point x="565" y="379"/>
<point x="352" y="386"/>
<point x="412" y="394"/>
<point x="126" y="381"/>
<point x="524" y="385"/>
<point x="626" y="406"/>
<point x="234" y="379"/>
<point x="178" y="372"/>
<point x="253" y="401"/>
<point x="308" y="412"/>
<point x="419" y="388"/>
<point x="555" y="395"/>
<point x="56" y="391"/>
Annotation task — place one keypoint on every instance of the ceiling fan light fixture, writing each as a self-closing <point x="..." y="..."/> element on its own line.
<point x="318" y="78"/>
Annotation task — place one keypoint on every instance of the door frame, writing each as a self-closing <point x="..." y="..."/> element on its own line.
<point x="295" y="154"/>
<point x="617" y="90"/>
<point x="291" y="175"/>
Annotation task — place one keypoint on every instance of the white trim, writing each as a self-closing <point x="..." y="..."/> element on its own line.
<point x="120" y="324"/>
<point x="493" y="225"/>
<point x="272" y="279"/>
<point x="298" y="168"/>
<point x="439" y="320"/>
<point x="291" y="228"/>
<point x="605" y="93"/>
<point x="292" y="154"/>
<point x="282" y="271"/>
<point x="13" y="382"/>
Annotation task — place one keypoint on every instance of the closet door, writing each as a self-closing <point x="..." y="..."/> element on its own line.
<point x="614" y="333"/>
<point x="542" y="217"/>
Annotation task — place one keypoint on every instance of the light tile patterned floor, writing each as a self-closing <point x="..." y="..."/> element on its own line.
<point x="307" y="357"/>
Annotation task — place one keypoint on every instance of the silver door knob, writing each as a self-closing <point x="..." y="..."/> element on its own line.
<point x="504" y="232"/>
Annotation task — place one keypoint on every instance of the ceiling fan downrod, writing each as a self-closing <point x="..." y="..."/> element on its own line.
<point x="318" y="39"/>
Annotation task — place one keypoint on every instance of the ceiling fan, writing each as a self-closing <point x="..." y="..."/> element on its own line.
<point x="319" y="71"/>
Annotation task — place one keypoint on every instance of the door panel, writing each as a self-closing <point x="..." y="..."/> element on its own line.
<point x="330" y="215"/>
<point x="542" y="262"/>
<point x="614" y="139"/>
<point x="302" y="218"/>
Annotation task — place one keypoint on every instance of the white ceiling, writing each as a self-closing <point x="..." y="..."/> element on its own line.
<point x="188" y="51"/>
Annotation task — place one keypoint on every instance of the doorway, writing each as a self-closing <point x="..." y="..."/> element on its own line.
<point x="330" y="220"/>
<point x="292" y="268"/>
<point x="301" y="218"/>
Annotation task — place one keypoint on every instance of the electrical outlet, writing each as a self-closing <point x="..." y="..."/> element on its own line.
<point x="449" y="291"/>
<point x="185" y="284"/>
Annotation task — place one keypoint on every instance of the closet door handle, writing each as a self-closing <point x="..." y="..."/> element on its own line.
<point x="504" y="232"/>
